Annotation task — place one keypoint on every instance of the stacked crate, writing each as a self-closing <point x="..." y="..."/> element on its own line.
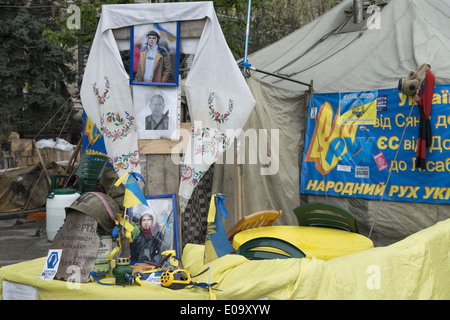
<point x="23" y="153"/>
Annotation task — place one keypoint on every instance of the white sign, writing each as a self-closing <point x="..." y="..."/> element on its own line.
<point x="51" y="264"/>
<point x="16" y="291"/>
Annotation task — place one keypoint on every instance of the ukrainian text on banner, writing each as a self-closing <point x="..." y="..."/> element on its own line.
<point x="93" y="142"/>
<point x="354" y="160"/>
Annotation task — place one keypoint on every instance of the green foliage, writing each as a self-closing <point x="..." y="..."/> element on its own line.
<point x="232" y="16"/>
<point x="270" y="20"/>
<point x="29" y="58"/>
<point x="89" y="16"/>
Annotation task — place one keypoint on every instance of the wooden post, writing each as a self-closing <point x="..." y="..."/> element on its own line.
<point x="42" y="163"/>
<point x="239" y="178"/>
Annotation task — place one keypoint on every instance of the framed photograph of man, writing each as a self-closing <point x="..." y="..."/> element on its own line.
<point x="155" y="54"/>
<point x="158" y="228"/>
<point x="157" y="111"/>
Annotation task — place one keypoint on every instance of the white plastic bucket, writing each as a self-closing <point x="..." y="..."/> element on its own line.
<point x="57" y="201"/>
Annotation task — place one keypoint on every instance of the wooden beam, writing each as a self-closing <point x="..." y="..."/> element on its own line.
<point x="188" y="29"/>
<point x="192" y="28"/>
<point x="44" y="167"/>
<point x="164" y="146"/>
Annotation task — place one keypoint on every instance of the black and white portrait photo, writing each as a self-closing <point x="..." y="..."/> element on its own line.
<point x="157" y="119"/>
<point x="157" y="112"/>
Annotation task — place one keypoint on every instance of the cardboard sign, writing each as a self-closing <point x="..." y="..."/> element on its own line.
<point x="79" y="242"/>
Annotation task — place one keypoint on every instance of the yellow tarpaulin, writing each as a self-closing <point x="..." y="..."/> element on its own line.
<point x="414" y="268"/>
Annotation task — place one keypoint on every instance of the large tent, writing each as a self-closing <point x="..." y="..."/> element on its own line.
<point x="337" y="55"/>
<point x="344" y="60"/>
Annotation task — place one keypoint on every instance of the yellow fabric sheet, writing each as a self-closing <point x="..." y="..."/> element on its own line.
<point x="414" y="268"/>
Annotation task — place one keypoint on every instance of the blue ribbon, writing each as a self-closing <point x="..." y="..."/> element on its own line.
<point x="137" y="176"/>
<point x="220" y="206"/>
<point x="95" y="278"/>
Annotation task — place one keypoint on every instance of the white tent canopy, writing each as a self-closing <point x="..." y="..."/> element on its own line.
<point x="327" y="51"/>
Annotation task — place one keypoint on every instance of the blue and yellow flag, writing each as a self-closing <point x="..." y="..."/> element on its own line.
<point x="133" y="193"/>
<point x="165" y="33"/>
<point x="216" y="243"/>
<point x="358" y="108"/>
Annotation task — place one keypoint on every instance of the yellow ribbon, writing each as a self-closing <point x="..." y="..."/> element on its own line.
<point x="121" y="179"/>
<point x="113" y="253"/>
<point x="212" y="295"/>
<point x="212" y="209"/>
<point x="173" y="261"/>
<point x="128" y="229"/>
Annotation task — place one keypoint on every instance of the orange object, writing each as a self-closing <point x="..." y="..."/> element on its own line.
<point x="37" y="216"/>
<point x="254" y="220"/>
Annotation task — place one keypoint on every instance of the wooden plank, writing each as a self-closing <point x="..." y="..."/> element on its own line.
<point x="188" y="29"/>
<point x="163" y="175"/>
<point x="79" y="242"/>
<point x="192" y="28"/>
<point x="21" y="144"/>
<point x="44" y="167"/>
<point x="165" y="146"/>
<point x="122" y="33"/>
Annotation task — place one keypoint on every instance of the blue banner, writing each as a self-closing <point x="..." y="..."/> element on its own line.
<point x="93" y="142"/>
<point x="374" y="158"/>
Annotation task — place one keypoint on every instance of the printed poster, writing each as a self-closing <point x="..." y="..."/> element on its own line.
<point x="375" y="158"/>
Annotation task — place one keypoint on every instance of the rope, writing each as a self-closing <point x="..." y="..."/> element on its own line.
<point x="390" y="168"/>
<point x="65" y="122"/>
<point x="48" y="122"/>
<point x="320" y="153"/>
<point x="389" y="176"/>
<point x="323" y="38"/>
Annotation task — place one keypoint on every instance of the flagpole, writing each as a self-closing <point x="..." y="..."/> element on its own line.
<point x="238" y="140"/>
<point x="239" y="179"/>
<point x="247" y="33"/>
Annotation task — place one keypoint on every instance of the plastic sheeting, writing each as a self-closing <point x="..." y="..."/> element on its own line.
<point x="414" y="268"/>
<point x="26" y="186"/>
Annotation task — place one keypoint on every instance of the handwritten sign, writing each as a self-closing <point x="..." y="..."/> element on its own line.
<point x="79" y="242"/>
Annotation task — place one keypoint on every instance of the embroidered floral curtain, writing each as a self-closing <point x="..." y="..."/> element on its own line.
<point x="218" y="97"/>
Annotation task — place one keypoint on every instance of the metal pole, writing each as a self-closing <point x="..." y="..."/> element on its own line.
<point x="277" y="75"/>
<point x="247" y="33"/>
<point x="358" y="11"/>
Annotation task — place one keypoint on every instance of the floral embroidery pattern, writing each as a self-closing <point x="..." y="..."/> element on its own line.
<point x="123" y="162"/>
<point x="118" y="121"/>
<point x="190" y="175"/>
<point x="102" y="98"/>
<point x="215" y="115"/>
<point x="210" y="142"/>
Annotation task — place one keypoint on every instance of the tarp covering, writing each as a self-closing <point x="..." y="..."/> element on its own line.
<point x="26" y="188"/>
<point x="411" y="32"/>
<point x="414" y="268"/>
